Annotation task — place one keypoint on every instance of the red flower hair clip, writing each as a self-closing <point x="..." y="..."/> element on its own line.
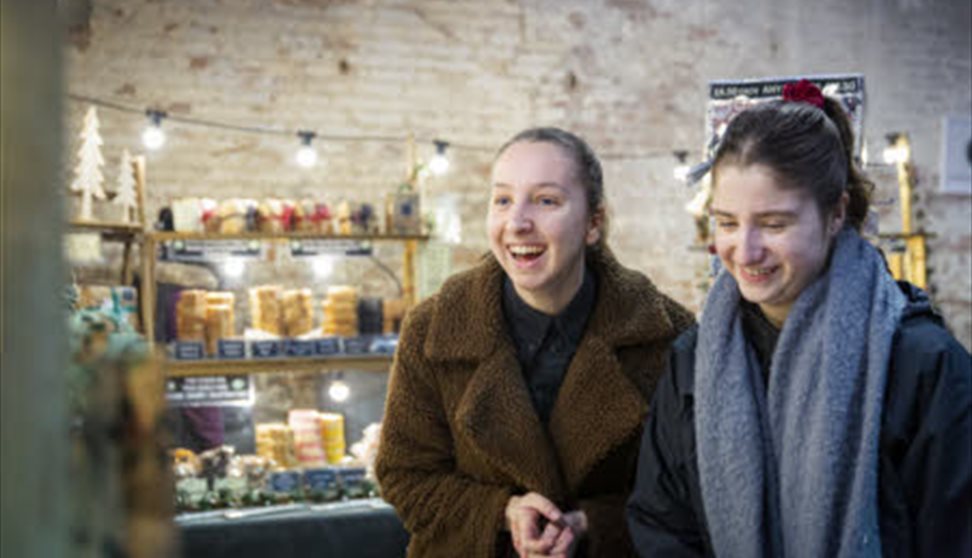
<point x="803" y="91"/>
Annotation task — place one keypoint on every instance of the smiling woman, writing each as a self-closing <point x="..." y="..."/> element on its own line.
<point x="519" y="391"/>
<point x="539" y="223"/>
<point x="815" y="410"/>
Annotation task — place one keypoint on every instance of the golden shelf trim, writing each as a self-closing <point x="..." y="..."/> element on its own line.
<point x="175" y="235"/>
<point x="186" y="368"/>
<point x="99" y="226"/>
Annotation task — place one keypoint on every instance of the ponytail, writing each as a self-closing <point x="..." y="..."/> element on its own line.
<point x="859" y="187"/>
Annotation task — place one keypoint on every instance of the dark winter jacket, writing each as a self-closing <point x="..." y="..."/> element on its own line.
<point x="925" y="451"/>
<point x="461" y="435"/>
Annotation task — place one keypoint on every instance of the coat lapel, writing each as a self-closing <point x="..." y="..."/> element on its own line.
<point x="602" y="403"/>
<point x="497" y="416"/>
<point x="494" y="414"/>
<point x="598" y="408"/>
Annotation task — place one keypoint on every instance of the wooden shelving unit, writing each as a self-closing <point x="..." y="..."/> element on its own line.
<point x="368" y="363"/>
<point x="126" y="233"/>
<point x="151" y="240"/>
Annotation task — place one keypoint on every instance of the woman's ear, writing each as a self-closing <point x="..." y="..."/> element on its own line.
<point x="594" y="227"/>
<point x="839" y="215"/>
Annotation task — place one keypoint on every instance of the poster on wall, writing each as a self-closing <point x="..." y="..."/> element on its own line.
<point x="727" y="98"/>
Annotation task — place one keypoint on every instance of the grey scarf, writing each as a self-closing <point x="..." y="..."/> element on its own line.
<point x="791" y="469"/>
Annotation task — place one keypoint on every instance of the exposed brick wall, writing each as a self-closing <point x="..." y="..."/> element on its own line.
<point x="628" y="75"/>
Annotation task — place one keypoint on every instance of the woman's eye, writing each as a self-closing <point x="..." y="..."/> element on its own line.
<point x="774" y="225"/>
<point x="547" y="201"/>
<point x="501" y="200"/>
<point x="726" y="225"/>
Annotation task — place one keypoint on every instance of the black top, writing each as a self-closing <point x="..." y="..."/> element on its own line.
<point x="924" y="469"/>
<point x="761" y="334"/>
<point x="545" y="344"/>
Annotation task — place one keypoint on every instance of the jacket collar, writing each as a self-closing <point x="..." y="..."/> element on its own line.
<point x="468" y="321"/>
<point x="598" y="407"/>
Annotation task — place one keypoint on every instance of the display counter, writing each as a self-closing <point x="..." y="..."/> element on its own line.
<point x="351" y="529"/>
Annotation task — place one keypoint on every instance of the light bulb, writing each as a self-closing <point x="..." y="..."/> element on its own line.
<point x="339" y="391"/>
<point x="439" y="163"/>
<point x="153" y="137"/>
<point x="680" y="172"/>
<point x="307" y="156"/>
<point x="233" y="267"/>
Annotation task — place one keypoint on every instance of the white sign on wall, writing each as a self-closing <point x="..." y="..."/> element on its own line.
<point x="956" y="169"/>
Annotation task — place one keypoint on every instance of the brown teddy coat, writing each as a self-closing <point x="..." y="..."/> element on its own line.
<point x="460" y="434"/>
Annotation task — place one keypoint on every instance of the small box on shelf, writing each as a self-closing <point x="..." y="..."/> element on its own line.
<point x="300" y="348"/>
<point x="327" y="346"/>
<point x="188" y="350"/>
<point x="232" y="349"/>
<point x="271" y="348"/>
<point x="360" y="345"/>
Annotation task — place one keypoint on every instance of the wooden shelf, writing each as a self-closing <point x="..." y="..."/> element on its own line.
<point x="291" y="235"/>
<point x="367" y="363"/>
<point x="106" y="229"/>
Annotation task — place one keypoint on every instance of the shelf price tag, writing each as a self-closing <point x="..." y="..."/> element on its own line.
<point x="231" y="349"/>
<point x="188" y="350"/>
<point x="328" y="346"/>
<point x="299" y="348"/>
<point x="360" y="345"/>
<point x="266" y="349"/>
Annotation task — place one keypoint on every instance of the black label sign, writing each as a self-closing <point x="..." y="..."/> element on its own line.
<point x="195" y="391"/>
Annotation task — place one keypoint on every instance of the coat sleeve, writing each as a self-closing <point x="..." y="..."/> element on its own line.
<point x="660" y="514"/>
<point x="936" y="469"/>
<point x="416" y="466"/>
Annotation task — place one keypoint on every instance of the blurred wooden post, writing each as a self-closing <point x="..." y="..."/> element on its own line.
<point x="34" y="483"/>
<point x="138" y="168"/>
<point x="147" y="291"/>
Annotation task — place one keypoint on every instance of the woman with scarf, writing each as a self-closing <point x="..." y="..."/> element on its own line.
<point x="519" y="390"/>
<point x="819" y="409"/>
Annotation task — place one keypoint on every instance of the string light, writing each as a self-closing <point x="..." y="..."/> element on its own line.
<point x="339" y="391"/>
<point x="153" y="137"/>
<point x="306" y="155"/>
<point x="897" y="150"/>
<point x="681" y="170"/>
<point x="439" y="164"/>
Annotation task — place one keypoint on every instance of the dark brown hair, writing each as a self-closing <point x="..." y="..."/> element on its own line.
<point x="806" y="147"/>
<point x="587" y="166"/>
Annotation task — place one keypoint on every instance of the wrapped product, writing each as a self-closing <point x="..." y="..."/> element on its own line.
<point x="307" y="437"/>
<point x="219" y="325"/>
<point x="265" y="310"/>
<point x="275" y="442"/>
<point x="332" y="436"/>
<point x="298" y="312"/>
<point x="316" y="217"/>
<point x="340" y="311"/>
<point x="191" y="315"/>
<point x="270" y="215"/>
<point x="231" y="216"/>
